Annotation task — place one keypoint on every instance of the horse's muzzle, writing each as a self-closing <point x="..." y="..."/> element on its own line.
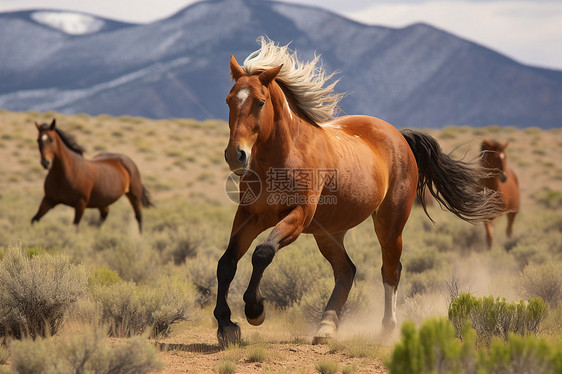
<point x="45" y="163"/>
<point x="240" y="162"/>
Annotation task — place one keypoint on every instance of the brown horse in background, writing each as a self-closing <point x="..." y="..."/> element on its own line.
<point x="333" y="172"/>
<point x="74" y="181"/>
<point x="503" y="180"/>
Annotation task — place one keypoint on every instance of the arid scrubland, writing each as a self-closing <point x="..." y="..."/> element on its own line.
<point x="109" y="294"/>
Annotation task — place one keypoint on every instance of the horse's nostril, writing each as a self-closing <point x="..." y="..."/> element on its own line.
<point x="226" y="155"/>
<point x="242" y="156"/>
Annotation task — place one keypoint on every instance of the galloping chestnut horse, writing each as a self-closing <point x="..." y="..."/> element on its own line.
<point x="505" y="183"/>
<point x="322" y="176"/>
<point x="72" y="180"/>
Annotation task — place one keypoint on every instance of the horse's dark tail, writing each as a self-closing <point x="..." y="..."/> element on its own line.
<point x="455" y="184"/>
<point x="145" y="198"/>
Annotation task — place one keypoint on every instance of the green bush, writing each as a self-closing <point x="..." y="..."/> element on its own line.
<point x="37" y="292"/>
<point x="85" y="353"/>
<point x="131" y="310"/>
<point x="521" y="355"/>
<point x="103" y="276"/>
<point x="434" y="348"/>
<point x="496" y="318"/>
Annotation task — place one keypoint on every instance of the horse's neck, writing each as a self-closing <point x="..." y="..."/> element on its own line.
<point x="66" y="160"/>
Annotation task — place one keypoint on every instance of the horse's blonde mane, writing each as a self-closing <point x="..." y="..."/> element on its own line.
<point x="304" y="80"/>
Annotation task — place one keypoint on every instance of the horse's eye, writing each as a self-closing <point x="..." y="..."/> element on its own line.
<point x="261" y="104"/>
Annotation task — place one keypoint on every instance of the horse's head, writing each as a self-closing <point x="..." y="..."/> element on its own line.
<point x="251" y="114"/>
<point x="47" y="143"/>
<point x="494" y="156"/>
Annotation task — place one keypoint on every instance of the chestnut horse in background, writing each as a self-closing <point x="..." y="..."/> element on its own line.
<point x="74" y="181"/>
<point x="503" y="180"/>
<point x="337" y="172"/>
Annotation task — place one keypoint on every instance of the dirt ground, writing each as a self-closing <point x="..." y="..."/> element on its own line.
<point x="190" y="351"/>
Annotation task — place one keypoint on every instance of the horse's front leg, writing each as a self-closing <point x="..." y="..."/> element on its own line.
<point x="245" y="228"/>
<point x="46" y="205"/>
<point x="284" y="233"/>
<point x="79" y="209"/>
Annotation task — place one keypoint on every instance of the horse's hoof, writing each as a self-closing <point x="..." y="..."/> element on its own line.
<point x="256" y="321"/>
<point x="321" y="340"/>
<point x="229" y="335"/>
<point x="255" y="313"/>
<point x="388" y="326"/>
<point x="326" y="332"/>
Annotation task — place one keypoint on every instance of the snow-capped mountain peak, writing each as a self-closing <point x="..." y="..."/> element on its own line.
<point x="69" y="22"/>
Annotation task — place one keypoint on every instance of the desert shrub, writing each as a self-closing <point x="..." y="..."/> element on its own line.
<point x="326" y="367"/>
<point x="256" y="353"/>
<point x="314" y="301"/>
<point x="496" y="318"/>
<point x="85" y="353"/>
<point x="103" y="276"/>
<point x="177" y="246"/>
<point x="432" y="348"/>
<point x="522" y="355"/>
<point x="542" y="280"/>
<point x="203" y="274"/>
<point x="286" y="281"/>
<point x="131" y="310"/>
<point x="133" y="261"/>
<point x="37" y="292"/>
<point x="552" y="325"/>
<point x="421" y="260"/>
<point x="227" y="366"/>
<point x="548" y="198"/>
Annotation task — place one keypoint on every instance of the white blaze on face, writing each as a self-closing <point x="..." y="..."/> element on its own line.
<point x="502" y="155"/>
<point x="44" y="138"/>
<point x="242" y="96"/>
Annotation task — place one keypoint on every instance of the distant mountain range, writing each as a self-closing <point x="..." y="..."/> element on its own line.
<point x="417" y="76"/>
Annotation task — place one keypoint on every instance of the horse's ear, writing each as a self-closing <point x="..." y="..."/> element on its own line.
<point x="53" y="124"/>
<point x="504" y="146"/>
<point x="236" y="70"/>
<point x="487" y="143"/>
<point x="268" y="75"/>
<point x="36" y="125"/>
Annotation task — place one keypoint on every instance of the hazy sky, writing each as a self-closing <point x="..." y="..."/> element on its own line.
<point x="529" y="31"/>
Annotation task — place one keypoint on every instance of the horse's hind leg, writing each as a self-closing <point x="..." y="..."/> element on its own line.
<point x="136" y="203"/>
<point x="389" y="223"/>
<point x="333" y="250"/>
